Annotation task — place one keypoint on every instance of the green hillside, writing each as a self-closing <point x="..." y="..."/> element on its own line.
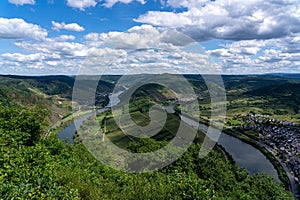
<point x="275" y="96"/>
<point x="52" y="92"/>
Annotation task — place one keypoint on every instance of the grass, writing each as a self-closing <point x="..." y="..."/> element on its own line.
<point x="116" y="135"/>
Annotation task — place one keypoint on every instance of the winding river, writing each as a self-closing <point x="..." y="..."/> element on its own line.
<point x="242" y="153"/>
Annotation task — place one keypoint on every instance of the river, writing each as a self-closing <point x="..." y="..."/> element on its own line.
<point x="68" y="133"/>
<point x="242" y="153"/>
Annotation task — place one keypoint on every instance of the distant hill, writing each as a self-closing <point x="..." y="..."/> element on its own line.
<point x="251" y="82"/>
<point x="276" y="95"/>
<point x="286" y="94"/>
<point x="279" y="90"/>
<point x="50" y="85"/>
<point x="284" y="75"/>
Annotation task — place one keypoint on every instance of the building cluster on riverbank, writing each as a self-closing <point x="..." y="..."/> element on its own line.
<point x="285" y="141"/>
<point x="281" y="136"/>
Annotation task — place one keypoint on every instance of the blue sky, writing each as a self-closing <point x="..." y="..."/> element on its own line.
<point x="119" y="36"/>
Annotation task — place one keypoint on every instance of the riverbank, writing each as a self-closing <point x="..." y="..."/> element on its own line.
<point x="282" y="173"/>
<point x="66" y="121"/>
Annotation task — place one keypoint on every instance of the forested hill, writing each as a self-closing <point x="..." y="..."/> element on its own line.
<point x="52" y="92"/>
<point x="285" y="75"/>
<point x="49" y="92"/>
<point x="50" y="85"/>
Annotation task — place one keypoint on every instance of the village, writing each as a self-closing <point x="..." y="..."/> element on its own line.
<point x="281" y="137"/>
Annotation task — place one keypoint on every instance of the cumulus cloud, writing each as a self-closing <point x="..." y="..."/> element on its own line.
<point x="22" y="57"/>
<point x="68" y="58"/>
<point x="81" y="4"/>
<point x="61" y="54"/>
<point x="92" y="37"/>
<point x="111" y="3"/>
<point x="93" y="40"/>
<point x="259" y="56"/>
<point x="64" y="38"/>
<point x="36" y="63"/>
<point x="16" y="28"/>
<point x="70" y="27"/>
<point x="59" y="46"/>
<point x="229" y="19"/>
<point x="244" y="47"/>
<point x="141" y="49"/>
<point x="28" y="63"/>
<point x="120" y="61"/>
<point x="22" y="2"/>
<point x="58" y="55"/>
<point x="137" y="37"/>
<point x="142" y="37"/>
<point x="186" y="3"/>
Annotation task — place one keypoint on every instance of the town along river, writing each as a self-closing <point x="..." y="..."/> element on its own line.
<point x="242" y="153"/>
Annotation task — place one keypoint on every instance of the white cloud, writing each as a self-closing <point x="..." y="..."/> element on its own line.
<point x="141" y="49"/>
<point x="50" y="56"/>
<point x="61" y="55"/>
<point x="142" y="37"/>
<point x="137" y="37"/>
<point x="22" y="2"/>
<point x="23" y="58"/>
<point x="259" y="56"/>
<point x="120" y="61"/>
<point x="186" y="3"/>
<point x="57" y="46"/>
<point x="92" y="37"/>
<point x="93" y="40"/>
<point x="81" y="4"/>
<point x="229" y="19"/>
<point x="111" y="3"/>
<point x="29" y="63"/>
<point x="70" y="27"/>
<point x="244" y="47"/>
<point x="16" y="28"/>
<point x="65" y="37"/>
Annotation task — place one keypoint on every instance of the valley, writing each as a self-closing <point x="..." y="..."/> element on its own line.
<point x="244" y="98"/>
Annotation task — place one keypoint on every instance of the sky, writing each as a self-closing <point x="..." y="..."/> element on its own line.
<point x="42" y="37"/>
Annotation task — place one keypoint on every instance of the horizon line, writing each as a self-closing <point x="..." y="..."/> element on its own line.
<point x="220" y="74"/>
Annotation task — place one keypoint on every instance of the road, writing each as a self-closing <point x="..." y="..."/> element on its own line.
<point x="293" y="186"/>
